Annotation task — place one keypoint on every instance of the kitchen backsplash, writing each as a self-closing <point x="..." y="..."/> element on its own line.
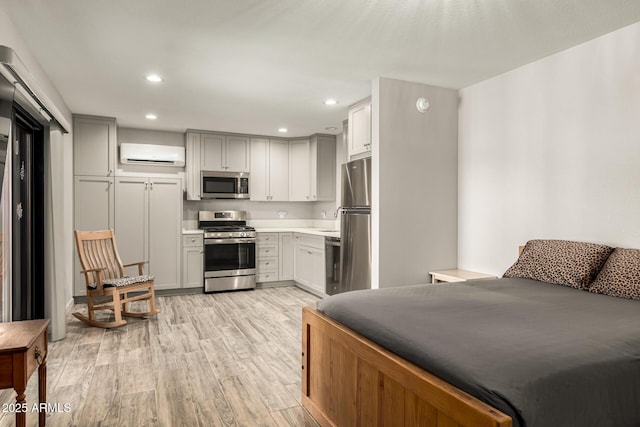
<point x="268" y="214"/>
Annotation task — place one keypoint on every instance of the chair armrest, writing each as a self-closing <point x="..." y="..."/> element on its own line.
<point x="140" y="265"/>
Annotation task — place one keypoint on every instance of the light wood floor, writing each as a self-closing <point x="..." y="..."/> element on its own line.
<point x="227" y="359"/>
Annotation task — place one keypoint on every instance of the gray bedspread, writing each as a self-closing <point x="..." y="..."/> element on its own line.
<point x="546" y="355"/>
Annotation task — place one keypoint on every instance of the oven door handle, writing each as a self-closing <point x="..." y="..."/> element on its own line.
<point x="227" y="241"/>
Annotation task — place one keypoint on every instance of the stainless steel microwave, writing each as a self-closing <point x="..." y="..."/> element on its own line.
<point x="225" y="185"/>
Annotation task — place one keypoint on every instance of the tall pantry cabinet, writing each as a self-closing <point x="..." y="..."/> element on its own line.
<point x="94" y="160"/>
<point x="145" y="212"/>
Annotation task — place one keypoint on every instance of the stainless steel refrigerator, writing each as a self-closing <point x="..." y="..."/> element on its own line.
<point x="355" y="226"/>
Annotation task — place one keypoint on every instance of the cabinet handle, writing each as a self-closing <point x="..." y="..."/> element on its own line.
<point x="267" y="251"/>
<point x="110" y="171"/>
<point x="193" y="240"/>
<point x="310" y="253"/>
<point x="146" y="185"/>
<point x="266" y="263"/>
<point x="151" y="184"/>
<point x="307" y="197"/>
<point x="266" y="238"/>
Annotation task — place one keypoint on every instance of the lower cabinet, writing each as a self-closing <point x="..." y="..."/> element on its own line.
<point x="275" y="257"/>
<point x="309" y="260"/>
<point x="192" y="261"/>
<point x="285" y="253"/>
<point x="268" y="255"/>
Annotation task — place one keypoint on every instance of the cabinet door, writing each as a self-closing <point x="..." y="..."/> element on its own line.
<point x="360" y="128"/>
<point x="212" y="152"/>
<point x="165" y="224"/>
<point x="325" y="166"/>
<point x="299" y="175"/>
<point x="192" y="264"/>
<point x="192" y="166"/>
<point x="317" y="274"/>
<point x="131" y="224"/>
<point x="286" y="256"/>
<point x="236" y="154"/>
<point x="94" y="146"/>
<point x="278" y="170"/>
<point x="303" y="267"/>
<point x="259" y="177"/>
<point x="93" y="210"/>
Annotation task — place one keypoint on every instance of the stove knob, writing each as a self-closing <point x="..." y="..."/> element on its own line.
<point x="230" y="234"/>
<point x="241" y="234"/>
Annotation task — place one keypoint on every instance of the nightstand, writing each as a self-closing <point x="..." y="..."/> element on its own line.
<point x="456" y="275"/>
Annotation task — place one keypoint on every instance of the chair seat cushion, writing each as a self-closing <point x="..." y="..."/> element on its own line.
<point x="123" y="281"/>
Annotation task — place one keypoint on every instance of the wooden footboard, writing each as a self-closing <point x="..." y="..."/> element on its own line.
<point x="347" y="380"/>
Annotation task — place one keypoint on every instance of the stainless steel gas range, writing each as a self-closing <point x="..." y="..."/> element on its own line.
<point x="229" y="251"/>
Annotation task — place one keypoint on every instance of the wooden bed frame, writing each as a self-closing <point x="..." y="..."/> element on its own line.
<point x="348" y="380"/>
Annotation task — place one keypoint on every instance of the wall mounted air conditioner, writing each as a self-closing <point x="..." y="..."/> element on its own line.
<point x="147" y="154"/>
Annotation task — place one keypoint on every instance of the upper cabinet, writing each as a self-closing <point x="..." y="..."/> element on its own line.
<point x="224" y="153"/>
<point x="360" y="128"/>
<point x="269" y="178"/>
<point x="280" y="169"/>
<point x="94" y="146"/>
<point x="312" y="169"/>
<point x="213" y="152"/>
<point x="299" y="170"/>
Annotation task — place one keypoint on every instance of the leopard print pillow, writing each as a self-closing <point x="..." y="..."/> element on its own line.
<point x="562" y="262"/>
<point x="620" y="276"/>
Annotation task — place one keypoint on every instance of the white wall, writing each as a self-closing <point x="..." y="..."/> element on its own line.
<point x="414" y="182"/>
<point x="552" y="150"/>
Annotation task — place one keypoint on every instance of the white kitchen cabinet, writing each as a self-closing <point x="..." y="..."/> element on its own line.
<point x="93" y="210"/>
<point x="192" y="261"/>
<point x="360" y="128"/>
<point x="309" y="262"/>
<point x="312" y="169"/>
<point x="269" y="178"/>
<point x="285" y="256"/>
<point x="192" y="166"/>
<point x="224" y="153"/>
<point x="299" y="173"/>
<point x="148" y="220"/>
<point x="94" y="146"/>
<point x="213" y="152"/>
<point x="323" y="168"/>
<point x="267" y="248"/>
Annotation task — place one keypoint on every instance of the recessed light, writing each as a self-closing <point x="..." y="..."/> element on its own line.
<point x="330" y="102"/>
<point x="154" y="78"/>
<point x="283" y="130"/>
<point x="331" y="128"/>
<point x="151" y="116"/>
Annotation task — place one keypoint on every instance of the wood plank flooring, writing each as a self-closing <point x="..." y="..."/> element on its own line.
<point x="227" y="359"/>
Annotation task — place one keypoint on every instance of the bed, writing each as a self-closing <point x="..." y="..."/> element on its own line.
<point x="504" y="352"/>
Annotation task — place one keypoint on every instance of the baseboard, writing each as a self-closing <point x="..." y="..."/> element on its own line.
<point x="279" y="284"/>
<point x="310" y="290"/>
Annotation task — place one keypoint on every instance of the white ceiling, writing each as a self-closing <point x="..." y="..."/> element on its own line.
<point x="256" y="65"/>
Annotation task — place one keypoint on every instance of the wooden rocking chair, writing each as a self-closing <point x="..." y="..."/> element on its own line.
<point x="107" y="286"/>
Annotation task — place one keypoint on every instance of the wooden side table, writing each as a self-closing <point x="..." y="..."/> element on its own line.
<point x="23" y="348"/>
<point x="456" y="275"/>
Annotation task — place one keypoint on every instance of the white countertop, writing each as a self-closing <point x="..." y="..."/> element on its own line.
<point x="192" y="231"/>
<point x="315" y="231"/>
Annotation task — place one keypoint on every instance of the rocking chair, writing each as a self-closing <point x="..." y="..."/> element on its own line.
<point x="107" y="286"/>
